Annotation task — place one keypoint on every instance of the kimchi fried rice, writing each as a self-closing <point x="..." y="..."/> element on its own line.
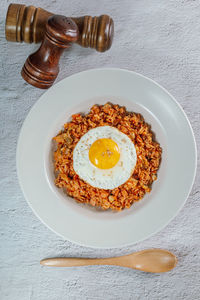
<point x="147" y="149"/>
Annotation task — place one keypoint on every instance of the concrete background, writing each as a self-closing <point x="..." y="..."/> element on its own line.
<point x="160" y="39"/>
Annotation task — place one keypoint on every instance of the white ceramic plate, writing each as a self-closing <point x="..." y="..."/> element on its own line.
<point x="80" y="223"/>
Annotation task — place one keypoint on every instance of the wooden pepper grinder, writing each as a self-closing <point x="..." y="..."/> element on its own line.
<point x="27" y="23"/>
<point x="41" y="68"/>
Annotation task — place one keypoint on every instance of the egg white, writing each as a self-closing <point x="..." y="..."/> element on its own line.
<point x="104" y="178"/>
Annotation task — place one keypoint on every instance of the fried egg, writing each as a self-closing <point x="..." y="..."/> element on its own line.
<point x="104" y="157"/>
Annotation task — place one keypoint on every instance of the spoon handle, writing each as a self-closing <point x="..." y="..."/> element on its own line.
<point x="76" y="262"/>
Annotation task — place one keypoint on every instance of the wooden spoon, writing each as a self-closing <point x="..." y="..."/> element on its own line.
<point x="150" y="260"/>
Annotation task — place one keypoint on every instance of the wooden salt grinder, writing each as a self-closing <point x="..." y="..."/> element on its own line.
<point x="27" y="23"/>
<point x="41" y="68"/>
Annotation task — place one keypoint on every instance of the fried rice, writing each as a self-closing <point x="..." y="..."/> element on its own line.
<point x="147" y="149"/>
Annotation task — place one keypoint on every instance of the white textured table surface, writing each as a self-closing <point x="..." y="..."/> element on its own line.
<point x="160" y="39"/>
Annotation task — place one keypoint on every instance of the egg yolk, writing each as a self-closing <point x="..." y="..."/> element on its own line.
<point x="104" y="153"/>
